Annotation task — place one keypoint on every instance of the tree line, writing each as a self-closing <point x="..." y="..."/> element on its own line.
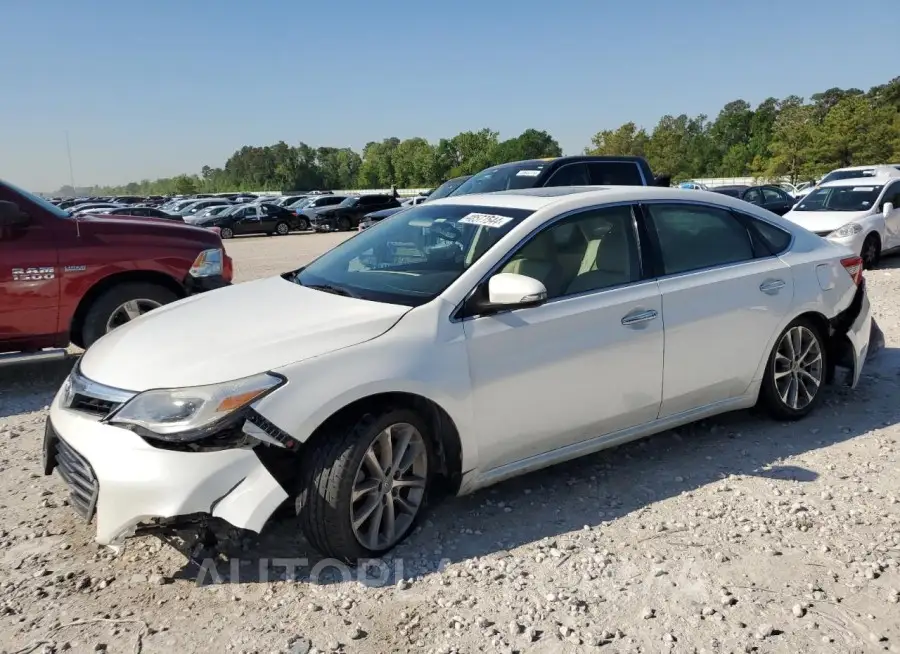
<point x="790" y="137"/>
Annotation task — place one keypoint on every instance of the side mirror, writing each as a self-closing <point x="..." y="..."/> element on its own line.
<point x="505" y="292"/>
<point x="887" y="208"/>
<point x="11" y="215"/>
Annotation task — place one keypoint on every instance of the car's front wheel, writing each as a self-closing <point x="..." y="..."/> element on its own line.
<point x="795" y="372"/>
<point x="302" y="224"/>
<point x="365" y="486"/>
<point x="871" y="251"/>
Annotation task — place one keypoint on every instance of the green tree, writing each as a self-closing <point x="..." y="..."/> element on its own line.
<point x="184" y="185"/>
<point x="626" y="140"/>
<point x="792" y="143"/>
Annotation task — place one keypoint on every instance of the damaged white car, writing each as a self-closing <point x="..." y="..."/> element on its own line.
<point x="461" y="342"/>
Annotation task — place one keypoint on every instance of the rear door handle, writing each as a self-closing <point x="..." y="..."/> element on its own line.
<point x="772" y="286"/>
<point x="639" y="316"/>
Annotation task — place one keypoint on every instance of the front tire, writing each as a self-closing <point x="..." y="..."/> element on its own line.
<point x="302" y="225"/>
<point x="871" y="251"/>
<point x="795" y="372"/>
<point x="120" y="305"/>
<point x="365" y="485"/>
<point x="344" y="224"/>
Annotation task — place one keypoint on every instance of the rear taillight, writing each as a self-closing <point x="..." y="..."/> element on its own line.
<point x="854" y="267"/>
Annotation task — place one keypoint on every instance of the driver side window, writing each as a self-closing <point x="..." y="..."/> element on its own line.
<point x="589" y="251"/>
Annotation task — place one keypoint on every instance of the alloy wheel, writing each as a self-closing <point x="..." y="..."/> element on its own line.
<point x="129" y="311"/>
<point x="282" y="229"/>
<point x="798" y="367"/>
<point x="389" y="487"/>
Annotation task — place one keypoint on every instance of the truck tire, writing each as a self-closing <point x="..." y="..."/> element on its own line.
<point x="120" y="304"/>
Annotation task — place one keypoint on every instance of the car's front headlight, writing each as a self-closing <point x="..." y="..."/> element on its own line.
<point x="850" y="229"/>
<point x="188" y="414"/>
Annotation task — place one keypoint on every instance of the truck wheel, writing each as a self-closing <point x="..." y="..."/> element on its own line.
<point x="364" y="486"/>
<point x="282" y="229"/>
<point x="122" y="304"/>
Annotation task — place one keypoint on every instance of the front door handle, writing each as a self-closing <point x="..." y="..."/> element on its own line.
<point x="639" y="316"/>
<point x="772" y="286"/>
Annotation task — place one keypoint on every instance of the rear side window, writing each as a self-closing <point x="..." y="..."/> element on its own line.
<point x="570" y="175"/>
<point x="615" y="173"/>
<point x="694" y="237"/>
<point x="775" y="239"/>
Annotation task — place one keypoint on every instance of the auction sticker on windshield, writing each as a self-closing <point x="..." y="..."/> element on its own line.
<point x="484" y="220"/>
<point x="528" y="173"/>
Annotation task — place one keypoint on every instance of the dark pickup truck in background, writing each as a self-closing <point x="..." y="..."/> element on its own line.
<point x="71" y="280"/>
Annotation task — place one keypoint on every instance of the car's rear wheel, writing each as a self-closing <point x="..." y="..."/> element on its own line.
<point x="795" y="372"/>
<point x="282" y="229"/>
<point x="226" y="232"/>
<point x="365" y="486"/>
<point x="122" y="304"/>
<point x="871" y="251"/>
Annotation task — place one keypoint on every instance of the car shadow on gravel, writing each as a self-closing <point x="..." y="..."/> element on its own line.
<point x="591" y="491"/>
<point x="29" y="387"/>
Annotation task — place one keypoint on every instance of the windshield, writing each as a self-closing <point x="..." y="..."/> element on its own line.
<point x="411" y="258"/>
<point x="38" y="200"/>
<point x="841" y="198"/>
<point x="446" y="188"/>
<point x="349" y="202"/>
<point x="846" y="174"/>
<point x="502" y="178"/>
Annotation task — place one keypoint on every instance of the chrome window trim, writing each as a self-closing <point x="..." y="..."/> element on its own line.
<point x="454" y="317"/>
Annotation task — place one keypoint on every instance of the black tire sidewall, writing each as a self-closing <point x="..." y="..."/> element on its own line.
<point x="769" y="396"/>
<point x="334" y="535"/>
<point x="344" y="224"/>
<point x="287" y="229"/>
<point x="226" y="232"/>
<point x="302" y="225"/>
<point x="869" y="265"/>
<point x="100" y="310"/>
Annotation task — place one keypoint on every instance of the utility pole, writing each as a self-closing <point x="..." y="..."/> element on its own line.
<point x="71" y="174"/>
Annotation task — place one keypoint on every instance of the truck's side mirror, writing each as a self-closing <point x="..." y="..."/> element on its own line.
<point x="662" y="180"/>
<point x="11" y="215"/>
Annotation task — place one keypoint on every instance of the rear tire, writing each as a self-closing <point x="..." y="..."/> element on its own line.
<point x="226" y="232"/>
<point x="795" y="372"/>
<point x="282" y="229"/>
<point x="343" y="464"/>
<point x="104" y="308"/>
<point x="871" y="251"/>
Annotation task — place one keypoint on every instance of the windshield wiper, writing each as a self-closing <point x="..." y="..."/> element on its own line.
<point x="328" y="288"/>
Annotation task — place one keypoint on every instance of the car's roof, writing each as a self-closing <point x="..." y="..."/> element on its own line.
<point x="869" y="167"/>
<point x="533" y="199"/>
<point x="868" y="180"/>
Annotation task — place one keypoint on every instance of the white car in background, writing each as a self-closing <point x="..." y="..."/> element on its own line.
<point x="460" y="343"/>
<point x="863" y="214"/>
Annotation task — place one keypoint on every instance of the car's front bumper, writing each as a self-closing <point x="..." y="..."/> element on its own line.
<point x="194" y="285"/>
<point x="123" y="480"/>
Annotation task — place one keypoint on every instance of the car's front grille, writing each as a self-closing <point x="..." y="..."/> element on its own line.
<point x="93" y="405"/>
<point x="87" y="396"/>
<point x="76" y="472"/>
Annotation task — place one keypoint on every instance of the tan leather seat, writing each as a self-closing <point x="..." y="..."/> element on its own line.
<point x="613" y="263"/>
<point x="538" y="260"/>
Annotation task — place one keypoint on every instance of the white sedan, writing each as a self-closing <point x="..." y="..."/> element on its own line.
<point x="863" y="214"/>
<point x="462" y="342"/>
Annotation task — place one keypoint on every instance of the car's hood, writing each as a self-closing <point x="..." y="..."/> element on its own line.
<point x="103" y="226"/>
<point x="823" y="221"/>
<point x="231" y="333"/>
<point x="384" y="213"/>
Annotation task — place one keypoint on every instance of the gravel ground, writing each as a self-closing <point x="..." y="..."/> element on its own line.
<point x="738" y="534"/>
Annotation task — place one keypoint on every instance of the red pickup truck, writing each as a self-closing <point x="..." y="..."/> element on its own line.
<point x="65" y="279"/>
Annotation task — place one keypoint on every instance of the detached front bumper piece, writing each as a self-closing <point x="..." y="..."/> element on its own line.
<point x="121" y="479"/>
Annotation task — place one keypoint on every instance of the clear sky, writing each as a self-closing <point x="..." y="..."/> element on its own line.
<point x="151" y="89"/>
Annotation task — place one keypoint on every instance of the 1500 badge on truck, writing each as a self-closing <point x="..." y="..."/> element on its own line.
<point x="66" y="279"/>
